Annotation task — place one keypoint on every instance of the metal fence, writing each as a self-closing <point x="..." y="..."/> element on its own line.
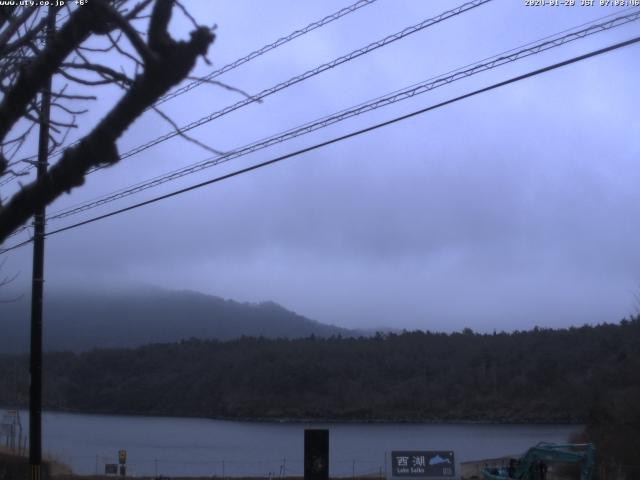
<point x="274" y="468"/>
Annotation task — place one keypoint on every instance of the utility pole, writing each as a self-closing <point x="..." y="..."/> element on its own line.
<point x="35" y="365"/>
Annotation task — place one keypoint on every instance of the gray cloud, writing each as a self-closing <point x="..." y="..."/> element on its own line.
<point x="504" y="211"/>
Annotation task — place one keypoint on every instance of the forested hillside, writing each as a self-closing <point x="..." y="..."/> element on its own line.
<point x="539" y="375"/>
<point x="587" y="375"/>
<point x="80" y="321"/>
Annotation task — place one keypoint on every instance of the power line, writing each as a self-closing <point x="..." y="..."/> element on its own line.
<point x="399" y="95"/>
<point x="230" y="66"/>
<point x="462" y="72"/>
<point x="299" y="78"/>
<point x="266" y="48"/>
<point x="342" y="137"/>
<point x="309" y="74"/>
<point x="434" y="82"/>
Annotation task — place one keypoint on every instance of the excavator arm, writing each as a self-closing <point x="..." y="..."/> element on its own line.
<point x="527" y="467"/>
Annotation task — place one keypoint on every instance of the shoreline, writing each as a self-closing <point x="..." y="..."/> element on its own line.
<point x="309" y="420"/>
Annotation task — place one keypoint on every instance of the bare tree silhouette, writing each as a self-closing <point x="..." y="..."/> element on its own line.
<point x="81" y="51"/>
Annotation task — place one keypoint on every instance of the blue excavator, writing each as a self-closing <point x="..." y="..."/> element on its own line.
<point x="533" y="464"/>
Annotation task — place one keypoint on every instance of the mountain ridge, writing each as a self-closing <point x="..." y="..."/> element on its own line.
<point x="82" y="320"/>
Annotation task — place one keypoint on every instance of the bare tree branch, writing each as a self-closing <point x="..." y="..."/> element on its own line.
<point x="147" y="54"/>
<point x="101" y="69"/>
<point x="24" y="40"/>
<point x="186" y="13"/>
<point x="170" y="62"/>
<point x="184" y="135"/>
<point x="114" y="43"/>
<point x="14" y="24"/>
<point x="33" y="76"/>
<point x="226" y="87"/>
<point x="133" y="14"/>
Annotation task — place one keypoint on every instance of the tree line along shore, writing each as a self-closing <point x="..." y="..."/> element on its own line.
<point x="585" y="375"/>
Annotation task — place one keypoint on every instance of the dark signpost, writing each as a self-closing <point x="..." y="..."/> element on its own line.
<point x="316" y="454"/>
<point x="423" y="464"/>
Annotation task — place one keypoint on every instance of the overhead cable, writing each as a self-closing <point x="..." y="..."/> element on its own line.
<point x="342" y="137"/>
<point x="266" y="48"/>
<point x="230" y="66"/>
<point x="309" y="74"/>
<point x="399" y="95"/>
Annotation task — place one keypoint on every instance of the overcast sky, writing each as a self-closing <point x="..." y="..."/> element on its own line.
<point x="515" y="208"/>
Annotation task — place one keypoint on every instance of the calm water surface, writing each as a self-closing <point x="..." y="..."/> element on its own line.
<point x="172" y="446"/>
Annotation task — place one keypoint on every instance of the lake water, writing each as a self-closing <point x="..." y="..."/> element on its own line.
<point x="185" y="446"/>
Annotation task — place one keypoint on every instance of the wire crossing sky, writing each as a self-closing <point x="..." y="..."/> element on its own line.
<point x="292" y="81"/>
<point x="463" y="72"/>
<point x="510" y="209"/>
<point x="230" y="66"/>
<point x="310" y="73"/>
<point x="266" y="48"/>
<point x="342" y="138"/>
